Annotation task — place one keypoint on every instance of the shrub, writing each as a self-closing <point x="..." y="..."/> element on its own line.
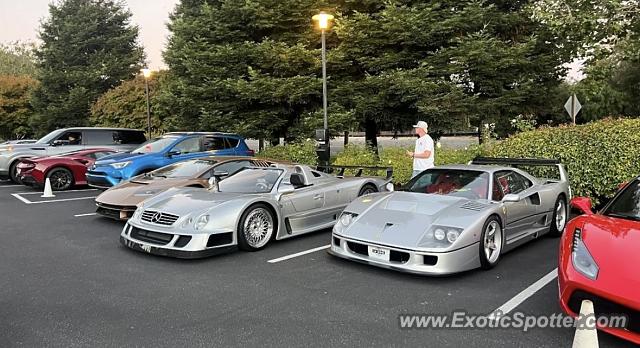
<point x="304" y="152"/>
<point x="598" y="156"/>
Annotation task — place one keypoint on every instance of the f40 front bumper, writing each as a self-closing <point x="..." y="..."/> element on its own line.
<point x="406" y="260"/>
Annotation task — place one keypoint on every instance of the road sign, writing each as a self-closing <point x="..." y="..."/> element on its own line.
<point x="573" y="107"/>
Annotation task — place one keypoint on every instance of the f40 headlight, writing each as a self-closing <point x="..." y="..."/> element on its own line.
<point x="581" y="259"/>
<point x="440" y="237"/>
<point x="345" y="220"/>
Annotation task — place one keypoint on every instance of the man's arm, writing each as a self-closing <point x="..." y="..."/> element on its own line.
<point x="425" y="154"/>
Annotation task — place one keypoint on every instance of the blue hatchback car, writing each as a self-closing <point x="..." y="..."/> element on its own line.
<point x="162" y="151"/>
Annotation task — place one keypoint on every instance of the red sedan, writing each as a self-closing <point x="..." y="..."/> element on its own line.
<point x="64" y="170"/>
<point x="599" y="260"/>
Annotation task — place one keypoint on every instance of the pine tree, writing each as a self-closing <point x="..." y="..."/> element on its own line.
<point x="89" y="47"/>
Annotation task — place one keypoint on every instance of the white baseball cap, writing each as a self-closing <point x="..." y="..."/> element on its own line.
<point x="421" y="124"/>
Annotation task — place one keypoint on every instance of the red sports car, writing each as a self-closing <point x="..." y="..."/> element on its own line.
<point x="600" y="260"/>
<point x="64" y="170"/>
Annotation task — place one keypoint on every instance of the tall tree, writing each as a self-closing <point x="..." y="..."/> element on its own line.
<point x="17" y="59"/>
<point x="15" y="108"/>
<point x="125" y="106"/>
<point x="88" y="47"/>
<point x="243" y="65"/>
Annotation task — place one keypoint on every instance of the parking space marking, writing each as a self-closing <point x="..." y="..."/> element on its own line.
<point x="56" y="192"/>
<point x="88" y="214"/>
<point x="26" y="201"/>
<point x="284" y="258"/>
<point x="525" y="294"/>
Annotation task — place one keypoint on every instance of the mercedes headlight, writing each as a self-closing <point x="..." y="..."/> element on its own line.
<point x="345" y="220"/>
<point x="120" y="165"/>
<point x="581" y="259"/>
<point x="202" y="221"/>
<point x="136" y="214"/>
<point x="440" y="237"/>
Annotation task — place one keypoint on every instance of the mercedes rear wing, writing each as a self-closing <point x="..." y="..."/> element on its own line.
<point x="517" y="162"/>
<point x="359" y="169"/>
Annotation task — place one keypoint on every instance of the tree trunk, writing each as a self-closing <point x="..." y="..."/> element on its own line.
<point x="260" y="144"/>
<point x="346" y="138"/>
<point x="480" y="130"/>
<point x="371" y="133"/>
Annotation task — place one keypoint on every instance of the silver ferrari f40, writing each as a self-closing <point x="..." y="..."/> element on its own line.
<point x="245" y="210"/>
<point x="455" y="218"/>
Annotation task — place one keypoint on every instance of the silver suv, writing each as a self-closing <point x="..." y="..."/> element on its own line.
<point x="66" y="140"/>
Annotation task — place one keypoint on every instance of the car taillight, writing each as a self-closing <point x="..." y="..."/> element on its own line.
<point x="251" y="152"/>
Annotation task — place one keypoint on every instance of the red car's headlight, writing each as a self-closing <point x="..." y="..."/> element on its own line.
<point x="581" y="259"/>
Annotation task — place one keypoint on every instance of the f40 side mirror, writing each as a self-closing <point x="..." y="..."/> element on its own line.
<point x="511" y="197"/>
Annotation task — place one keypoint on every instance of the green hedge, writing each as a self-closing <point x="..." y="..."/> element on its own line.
<point x="304" y="152"/>
<point x="598" y="156"/>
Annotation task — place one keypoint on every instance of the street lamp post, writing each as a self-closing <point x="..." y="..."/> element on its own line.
<point x="323" y="20"/>
<point x="147" y="74"/>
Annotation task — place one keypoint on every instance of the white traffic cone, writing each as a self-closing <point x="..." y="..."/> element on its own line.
<point x="48" y="192"/>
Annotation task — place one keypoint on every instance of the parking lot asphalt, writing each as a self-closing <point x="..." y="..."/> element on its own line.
<point x="66" y="281"/>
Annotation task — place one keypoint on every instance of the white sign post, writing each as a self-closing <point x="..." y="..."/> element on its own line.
<point x="573" y="107"/>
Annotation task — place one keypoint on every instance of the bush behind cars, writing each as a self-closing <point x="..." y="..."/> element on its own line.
<point x="598" y="155"/>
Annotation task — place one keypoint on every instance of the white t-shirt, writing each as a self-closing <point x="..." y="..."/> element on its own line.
<point x="423" y="144"/>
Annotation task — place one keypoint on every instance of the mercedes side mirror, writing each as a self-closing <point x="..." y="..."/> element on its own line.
<point x="583" y="204"/>
<point x="220" y="173"/>
<point x="511" y="197"/>
<point x="213" y="183"/>
<point x="57" y="142"/>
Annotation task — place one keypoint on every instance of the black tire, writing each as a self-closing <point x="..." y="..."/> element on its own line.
<point x="485" y="262"/>
<point x="554" y="230"/>
<point x="367" y="190"/>
<point x="13" y="172"/>
<point x="61" y="178"/>
<point x="244" y="238"/>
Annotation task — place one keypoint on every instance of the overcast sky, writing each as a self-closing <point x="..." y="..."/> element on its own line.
<point x="20" y="21"/>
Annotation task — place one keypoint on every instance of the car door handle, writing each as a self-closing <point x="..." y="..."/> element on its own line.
<point x="316" y="197"/>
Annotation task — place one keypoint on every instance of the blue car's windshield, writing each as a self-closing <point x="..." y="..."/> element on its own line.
<point x="49" y="137"/>
<point x="251" y="180"/>
<point x="155" y="145"/>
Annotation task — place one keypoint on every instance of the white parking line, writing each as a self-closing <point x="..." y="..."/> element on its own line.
<point x="26" y="201"/>
<point x="56" y="192"/>
<point x="5" y="186"/>
<point x="88" y="214"/>
<point x="299" y="254"/>
<point x="524" y="294"/>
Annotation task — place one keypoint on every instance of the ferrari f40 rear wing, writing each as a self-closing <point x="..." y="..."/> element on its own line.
<point x="358" y="169"/>
<point x="516" y="162"/>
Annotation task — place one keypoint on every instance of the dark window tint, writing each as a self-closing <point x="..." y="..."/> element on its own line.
<point x="214" y="143"/>
<point x="100" y="137"/>
<point x="129" y="137"/>
<point x="233" y="142"/>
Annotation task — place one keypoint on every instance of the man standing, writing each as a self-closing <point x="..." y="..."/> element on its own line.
<point x="424" y="151"/>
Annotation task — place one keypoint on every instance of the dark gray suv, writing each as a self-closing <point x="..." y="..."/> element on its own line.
<point x="67" y="140"/>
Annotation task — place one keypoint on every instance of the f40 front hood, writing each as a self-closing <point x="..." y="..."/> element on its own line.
<point x="403" y="219"/>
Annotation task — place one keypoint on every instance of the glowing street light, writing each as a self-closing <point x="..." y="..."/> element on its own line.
<point x="147" y="74"/>
<point x="324" y="21"/>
